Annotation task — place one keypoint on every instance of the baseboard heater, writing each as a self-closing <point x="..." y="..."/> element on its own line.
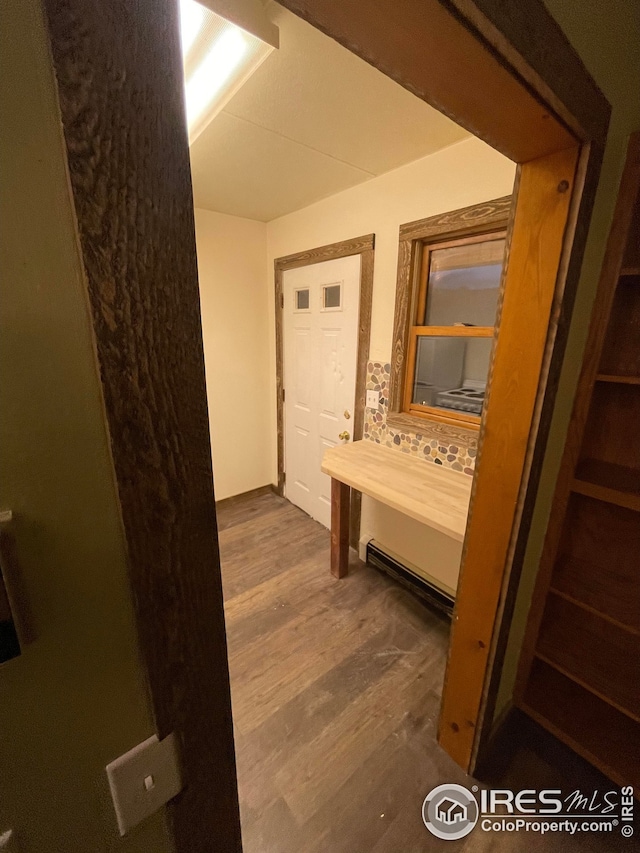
<point x="403" y="574"/>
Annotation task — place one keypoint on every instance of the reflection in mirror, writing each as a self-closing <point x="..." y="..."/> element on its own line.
<point x="464" y="283"/>
<point x="451" y="373"/>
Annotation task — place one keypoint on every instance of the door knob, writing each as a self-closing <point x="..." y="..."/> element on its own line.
<point x="344" y="436"/>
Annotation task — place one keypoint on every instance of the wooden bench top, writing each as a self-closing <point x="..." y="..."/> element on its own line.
<point x="432" y="494"/>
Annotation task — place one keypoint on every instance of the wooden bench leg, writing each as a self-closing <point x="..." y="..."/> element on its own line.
<point x="340" y="500"/>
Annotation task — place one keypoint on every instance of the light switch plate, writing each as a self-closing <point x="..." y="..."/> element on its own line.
<point x="373" y="399"/>
<point x="143" y="780"/>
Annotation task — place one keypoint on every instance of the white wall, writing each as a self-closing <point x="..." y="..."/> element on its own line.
<point x="235" y="261"/>
<point x="237" y="348"/>
<point x="463" y="174"/>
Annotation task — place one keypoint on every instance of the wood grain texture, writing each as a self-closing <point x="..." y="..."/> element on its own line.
<point x="602" y="735"/>
<point x="535" y="251"/>
<point x="620" y="497"/>
<point x="585" y="568"/>
<point x="279" y="297"/>
<point x="434" y="54"/>
<point x="592" y="539"/>
<point x="342" y="249"/>
<point x="623" y="380"/>
<point x="365" y="247"/>
<point x="336" y="689"/>
<point x="519" y="40"/>
<point x="609" y="437"/>
<point x="436" y="426"/>
<point x="340" y="505"/>
<point x="528" y="39"/>
<point x="631" y="259"/>
<point x="367" y="257"/>
<point x="613" y="259"/>
<point x="607" y="590"/>
<point x="128" y="163"/>
<point x="486" y="730"/>
<point x="621" y="348"/>
<point x="433" y="495"/>
<point x="132" y="95"/>
<point x="243" y="497"/>
<point x="409" y="253"/>
<point x="473" y="220"/>
<point x="410" y="356"/>
<point x="601" y="657"/>
<point x="576" y="232"/>
<point x="590" y="527"/>
<point x="479" y="218"/>
<point x="455" y="331"/>
<point x="432" y="413"/>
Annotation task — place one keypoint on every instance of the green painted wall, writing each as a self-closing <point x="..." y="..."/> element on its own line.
<point x="607" y="37"/>
<point x="76" y="699"/>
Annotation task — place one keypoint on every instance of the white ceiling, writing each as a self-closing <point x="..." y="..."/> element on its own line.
<point x="313" y="120"/>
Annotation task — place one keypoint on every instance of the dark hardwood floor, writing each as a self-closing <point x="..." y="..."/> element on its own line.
<point x="336" y="690"/>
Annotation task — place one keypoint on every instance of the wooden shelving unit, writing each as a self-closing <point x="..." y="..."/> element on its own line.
<point x="624" y="380"/>
<point x="579" y="671"/>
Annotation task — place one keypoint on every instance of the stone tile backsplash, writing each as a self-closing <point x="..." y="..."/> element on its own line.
<point x="458" y="456"/>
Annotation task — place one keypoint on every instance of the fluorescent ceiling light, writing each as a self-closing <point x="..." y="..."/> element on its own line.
<point x="191" y="20"/>
<point x="215" y="70"/>
<point x="218" y="58"/>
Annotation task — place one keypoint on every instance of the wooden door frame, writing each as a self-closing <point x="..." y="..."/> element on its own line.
<point x="517" y="62"/>
<point x="365" y="247"/>
<point x="600" y="316"/>
<point x="504" y="71"/>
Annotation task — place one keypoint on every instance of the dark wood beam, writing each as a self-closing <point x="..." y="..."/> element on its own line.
<point x="119" y="77"/>
<point x="439" y="57"/>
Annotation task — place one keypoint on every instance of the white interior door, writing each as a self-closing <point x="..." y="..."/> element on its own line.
<point x="320" y="336"/>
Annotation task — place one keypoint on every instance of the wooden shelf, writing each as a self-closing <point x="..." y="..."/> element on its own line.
<point x="608" y="482"/>
<point x="595" y="611"/>
<point x="610" y="453"/>
<point x="621" y="380"/>
<point x="592" y="728"/>
<point x="455" y="331"/>
<point x="611" y="496"/>
<point x="621" y="352"/>
<point x="588" y="649"/>
<point x="571" y="676"/>
<point x="580" y="666"/>
<point x="609" y="475"/>
<point x="609" y="591"/>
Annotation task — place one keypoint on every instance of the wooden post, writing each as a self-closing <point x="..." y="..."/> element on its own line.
<point x="340" y="499"/>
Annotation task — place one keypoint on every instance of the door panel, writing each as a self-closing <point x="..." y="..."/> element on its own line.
<point x="324" y="495"/>
<point x="302" y="368"/>
<point x="328" y="372"/>
<point x="320" y="331"/>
